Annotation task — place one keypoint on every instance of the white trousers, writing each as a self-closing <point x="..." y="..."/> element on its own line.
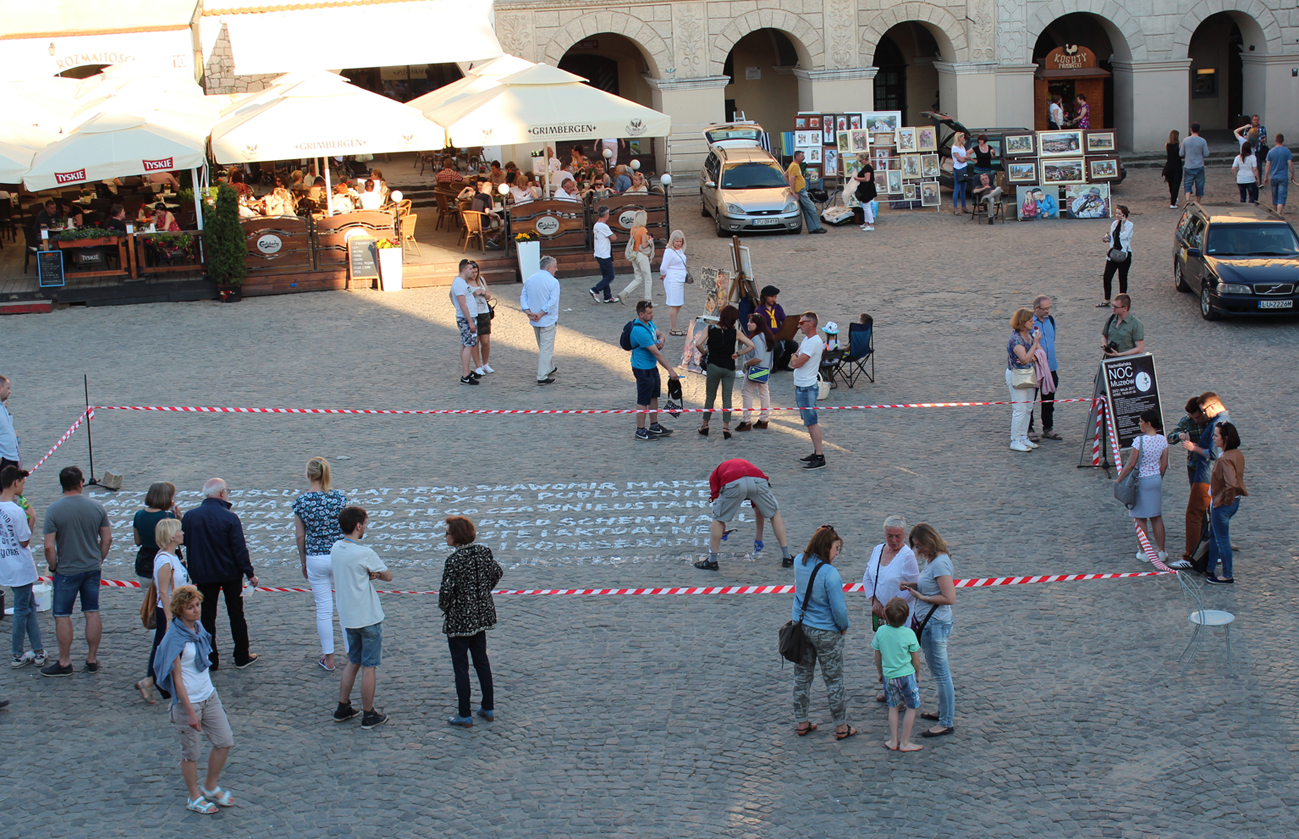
<point x="320" y="573"/>
<point x="640" y="264"/>
<point x="545" y="349"/>
<point x="1021" y="408"/>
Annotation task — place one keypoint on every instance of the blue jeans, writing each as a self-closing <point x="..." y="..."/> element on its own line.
<point x="606" y="276"/>
<point x="934" y="645"/>
<point x="958" y="188"/>
<point x="1220" y="537"/>
<point x="25" y="624"/>
<point x="68" y="586"/>
<point x="1248" y="193"/>
<point x="809" y="211"/>
<point x="805" y="399"/>
<point x="1193" y="178"/>
<point x="365" y="645"/>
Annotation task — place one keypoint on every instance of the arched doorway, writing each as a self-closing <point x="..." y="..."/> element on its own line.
<point x="907" y="79"/>
<point x="612" y="63"/>
<point x="762" y="84"/>
<point x="1217" y="89"/>
<point x="1095" y="81"/>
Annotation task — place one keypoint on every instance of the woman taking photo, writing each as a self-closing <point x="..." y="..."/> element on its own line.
<point x="719" y="341"/>
<point x="824" y="624"/>
<point x="1226" y="486"/>
<point x="465" y="599"/>
<point x="169" y="574"/>
<point x="892" y="563"/>
<point x="761" y="357"/>
<point x="1119" y="256"/>
<point x="315" y="521"/>
<point x="1021" y="350"/>
<point x="673" y="272"/>
<point x="935" y="592"/>
<point x="1150" y="458"/>
<point x="1173" y="167"/>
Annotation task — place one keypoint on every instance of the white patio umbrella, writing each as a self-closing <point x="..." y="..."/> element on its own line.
<point x="477" y="79"/>
<point x="18" y="145"/>
<point x="31" y="102"/>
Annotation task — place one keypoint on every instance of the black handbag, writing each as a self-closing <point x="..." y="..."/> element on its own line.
<point x="875" y="619"/>
<point x="920" y="631"/>
<point x="792" y="642"/>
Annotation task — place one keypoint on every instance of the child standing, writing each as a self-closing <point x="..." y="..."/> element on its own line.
<point x="897" y="659"/>
<point x="182" y="667"/>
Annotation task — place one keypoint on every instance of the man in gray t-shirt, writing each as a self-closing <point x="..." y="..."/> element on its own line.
<point x="1193" y="151"/>
<point x="77" y="539"/>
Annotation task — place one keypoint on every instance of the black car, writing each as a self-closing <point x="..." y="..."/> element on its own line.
<point x="1241" y="259"/>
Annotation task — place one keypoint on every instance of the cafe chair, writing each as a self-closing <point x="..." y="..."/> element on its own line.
<point x="861" y="349"/>
<point x="408" y="223"/>
<point x="403" y="208"/>
<point x="473" y="228"/>
<point x="33" y="242"/>
<point x="445" y="213"/>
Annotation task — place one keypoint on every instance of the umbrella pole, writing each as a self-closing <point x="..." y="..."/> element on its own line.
<point x="329" y="190"/>
<point x="198" y="200"/>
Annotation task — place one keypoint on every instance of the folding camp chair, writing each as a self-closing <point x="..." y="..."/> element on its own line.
<point x="861" y="349"/>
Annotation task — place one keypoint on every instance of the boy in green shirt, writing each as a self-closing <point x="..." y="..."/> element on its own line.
<point x="897" y="660"/>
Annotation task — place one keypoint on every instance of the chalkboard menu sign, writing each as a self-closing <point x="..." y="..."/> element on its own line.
<point x="1131" y="388"/>
<point x="49" y="268"/>
<point x="362" y="259"/>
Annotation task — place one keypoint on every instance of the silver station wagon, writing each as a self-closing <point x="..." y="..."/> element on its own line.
<point x="742" y="186"/>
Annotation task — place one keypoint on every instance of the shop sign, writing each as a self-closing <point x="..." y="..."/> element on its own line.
<point x="163" y="165"/>
<point x="269" y="243"/>
<point x="76" y="59"/>
<point x="572" y="128"/>
<point x="547" y="226"/>
<point x="70" y="177"/>
<point x="1071" y="57"/>
<point x="626" y="218"/>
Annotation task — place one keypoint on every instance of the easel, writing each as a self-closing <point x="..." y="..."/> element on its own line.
<point x="1086" y="457"/>
<point x="742" y="282"/>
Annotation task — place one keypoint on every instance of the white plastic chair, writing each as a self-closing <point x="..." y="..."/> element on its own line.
<point x="1203" y="619"/>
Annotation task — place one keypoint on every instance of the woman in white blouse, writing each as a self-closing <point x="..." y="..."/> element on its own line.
<point x="891" y="564"/>
<point x="673" y="272"/>
<point x="1245" y="167"/>
<point x="1119" y="238"/>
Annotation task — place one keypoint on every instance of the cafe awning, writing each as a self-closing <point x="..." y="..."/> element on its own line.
<point x="477" y="79"/>
<point x="278" y="37"/>
<point x="117" y="146"/>
<point x="544" y="104"/>
<point x="18" y="144"/>
<point x="321" y="117"/>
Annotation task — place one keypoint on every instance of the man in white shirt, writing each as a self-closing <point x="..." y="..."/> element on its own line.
<point x="462" y="300"/>
<point x="540" y="302"/>
<point x="567" y="189"/>
<point x="355" y="570"/>
<point x="8" y="436"/>
<point x="806" y="364"/>
<point x="603" y="257"/>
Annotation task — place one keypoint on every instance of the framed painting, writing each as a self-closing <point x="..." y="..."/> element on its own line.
<point x="882" y="138"/>
<point x="906" y="139"/>
<point x="1100" y="142"/>
<point x="830" y="162"/>
<point x="814" y="122"/>
<point x="1063" y="171"/>
<point x="894" y="181"/>
<point x="800" y="123"/>
<point x="859" y="141"/>
<point x="911" y="192"/>
<point x="827" y="129"/>
<point x="911" y="169"/>
<point x="1020" y="145"/>
<point x="841" y="122"/>
<point x="806" y="139"/>
<point x="881" y="182"/>
<point x="845" y="142"/>
<point x="1034" y="203"/>
<point x="812" y="173"/>
<point x="878" y="122"/>
<point x="1102" y="169"/>
<point x="854" y="121"/>
<point x="1021" y="172"/>
<point x="812" y="154"/>
<point x="881" y="158"/>
<point x="929" y="194"/>
<point x="1087" y="201"/>
<point x="926" y="138"/>
<point x="1059" y="143"/>
<point x="930" y="167"/>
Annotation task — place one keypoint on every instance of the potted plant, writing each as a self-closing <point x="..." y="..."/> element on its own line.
<point x="528" y="247"/>
<point x="171" y="246"/>
<point x="227" y="251"/>
<point x="390" y="258"/>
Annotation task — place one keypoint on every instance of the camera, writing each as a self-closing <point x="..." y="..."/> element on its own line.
<point x="1111" y="347"/>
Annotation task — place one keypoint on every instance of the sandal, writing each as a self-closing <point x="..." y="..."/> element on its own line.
<point x="1051" y="435"/>
<point x="200" y="805"/>
<point x="219" y="796"/>
<point x="726" y="433"/>
<point x="324" y="666"/>
<point x="929" y="716"/>
<point x="678" y="333"/>
<point x="802" y="731"/>
<point x="1104" y="305"/>
<point x="703" y="429"/>
<point x="844" y="735"/>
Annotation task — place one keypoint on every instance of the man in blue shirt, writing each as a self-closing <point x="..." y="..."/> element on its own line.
<point x="1043" y="320"/>
<point x="1280" y="171"/>
<point x="646" y="356"/>
<point x="539" y="300"/>
<point x="8" y="437"/>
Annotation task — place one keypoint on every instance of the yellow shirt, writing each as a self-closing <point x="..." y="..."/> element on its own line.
<point x="796" y="172"/>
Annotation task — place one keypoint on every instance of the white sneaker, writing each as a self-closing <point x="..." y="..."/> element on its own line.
<point x="1163" y="555"/>
<point x="487" y="368"/>
<point x="868" y="228"/>
<point x="1019" y="447"/>
<point x="1029" y="443"/>
<point x="480" y="371"/>
<point x="22" y="660"/>
<point x="1172" y="206"/>
<point x="1141" y="555"/>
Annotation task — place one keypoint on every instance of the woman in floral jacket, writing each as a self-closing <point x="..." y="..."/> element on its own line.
<point x="465" y="598"/>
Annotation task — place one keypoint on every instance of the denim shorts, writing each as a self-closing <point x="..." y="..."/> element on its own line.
<point x="648" y="385"/>
<point x="805" y="399"/>
<point x="903" y="691"/>
<point x="1280" y="191"/>
<point x="365" y="645"/>
<point x="68" y="586"/>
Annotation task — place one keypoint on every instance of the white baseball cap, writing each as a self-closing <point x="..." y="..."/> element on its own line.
<point x="831" y="328"/>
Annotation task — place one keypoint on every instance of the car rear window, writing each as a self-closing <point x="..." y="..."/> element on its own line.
<point x="721" y="135"/>
<point x="752" y="176"/>
<point x="1252" y="240"/>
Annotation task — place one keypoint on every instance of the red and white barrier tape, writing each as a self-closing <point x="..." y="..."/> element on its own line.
<point x="87" y="414"/>
<point x="438" y="411"/>
<point x="980" y="582"/>
<point x="1151" y="554"/>
<point x="1096" y="440"/>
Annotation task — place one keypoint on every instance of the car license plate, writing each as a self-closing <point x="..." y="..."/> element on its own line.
<point x="764" y="222"/>
<point x="1276" y="304"/>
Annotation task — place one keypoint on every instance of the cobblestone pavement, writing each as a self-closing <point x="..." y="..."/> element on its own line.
<point x="671" y="716"/>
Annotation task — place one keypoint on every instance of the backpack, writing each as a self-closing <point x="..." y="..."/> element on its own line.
<point x="624" y="340"/>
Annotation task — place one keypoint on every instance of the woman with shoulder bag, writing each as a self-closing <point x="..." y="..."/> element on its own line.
<point x="719" y="341"/>
<point x="169" y="574"/>
<point x="1226" y="487"/>
<point x="892" y="564"/>
<point x="1150" y="459"/>
<point x="866" y="192"/>
<point x="935" y="592"/>
<point x="1021" y="377"/>
<point x="1119" y="256"/>
<point x="640" y="250"/>
<point x="825" y="622"/>
<point x="159" y="504"/>
<point x="675" y="275"/>
<point x="759" y="360"/>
